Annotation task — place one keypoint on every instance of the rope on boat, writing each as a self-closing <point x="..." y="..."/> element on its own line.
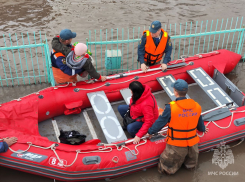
<point x="100" y="149"/>
<point x="30" y="144"/>
<point x="183" y="60"/>
<point x="221" y="127"/>
<point x="68" y="83"/>
<point x="196" y="55"/>
<point x="92" y="88"/>
<point x="200" y="56"/>
<point x="38" y="92"/>
<point x="19" y="99"/>
<point x="52" y="147"/>
<point x="132" y="78"/>
<point x="107" y="148"/>
<point x="123" y="146"/>
<point x="79" y="152"/>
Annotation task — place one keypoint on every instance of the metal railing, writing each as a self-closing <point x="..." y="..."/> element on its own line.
<point x="25" y="59"/>
<point x="187" y="39"/>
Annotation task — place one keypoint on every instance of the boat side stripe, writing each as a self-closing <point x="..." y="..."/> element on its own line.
<point x="109" y="174"/>
<point x="110" y="171"/>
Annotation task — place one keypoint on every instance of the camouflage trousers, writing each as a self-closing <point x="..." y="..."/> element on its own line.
<point x="173" y="157"/>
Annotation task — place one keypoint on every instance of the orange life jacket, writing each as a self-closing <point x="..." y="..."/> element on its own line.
<point x="154" y="54"/>
<point x="60" y="76"/>
<point x="183" y="124"/>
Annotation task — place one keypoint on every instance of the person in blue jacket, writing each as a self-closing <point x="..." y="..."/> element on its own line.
<point x="6" y="143"/>
<point x="154" y="43"/>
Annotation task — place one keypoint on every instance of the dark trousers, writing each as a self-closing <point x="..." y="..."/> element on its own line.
<point x="134" y="127"/>
<point x="173" y="157"/>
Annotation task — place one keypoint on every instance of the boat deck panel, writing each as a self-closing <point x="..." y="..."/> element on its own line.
<point x="210" y="87"/>
<point x="126" y="93"/>
<point x="106" y="117"/>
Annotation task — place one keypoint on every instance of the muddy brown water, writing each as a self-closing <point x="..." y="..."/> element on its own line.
<point x="51" y="16"/>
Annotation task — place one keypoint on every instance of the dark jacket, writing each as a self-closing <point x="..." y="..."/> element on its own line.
<point x="141" y="49"/>
<point x="165" y="117"/>
<point x="145" y="106"/>
<point x="59" y="47"/>
<point x="3" y="147"/>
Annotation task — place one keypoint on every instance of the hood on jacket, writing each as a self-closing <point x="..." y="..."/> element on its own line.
<point x="76" y="63"/>
<point x="145" y="106"/>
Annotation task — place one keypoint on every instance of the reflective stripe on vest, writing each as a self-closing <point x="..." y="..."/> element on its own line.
<point x="56" y="54"/>
<point x="182" y="126"/>
<point x="154" y="54"/>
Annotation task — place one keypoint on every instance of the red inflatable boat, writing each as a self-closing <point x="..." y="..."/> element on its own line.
<point x="117" y="155"/>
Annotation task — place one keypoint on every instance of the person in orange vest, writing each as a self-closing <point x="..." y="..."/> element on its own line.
<point x="62" y="47"/>
<point x="183" y="117"/>
<point x="154" y="43"/>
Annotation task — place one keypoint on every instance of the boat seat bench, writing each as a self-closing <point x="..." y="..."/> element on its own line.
<point x="107" y="118"/>
<point x="126" y="93"/>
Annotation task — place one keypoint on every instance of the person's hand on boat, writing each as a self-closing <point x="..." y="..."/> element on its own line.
<point x="143" y="67"/>
<point x="163" y="66"/>
<point x="206" y="129"/>
<point x="10" y="141"/>
<point x="136" y="140"/>
<point x="148" y="135"/>
<point x="103" y="78"/>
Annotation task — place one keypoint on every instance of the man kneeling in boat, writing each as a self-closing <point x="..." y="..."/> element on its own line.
<point x="6" y="143"/>
<point x="154" y="43"/>
<point x="80" y="62"/>
<point x="184" y="118"/>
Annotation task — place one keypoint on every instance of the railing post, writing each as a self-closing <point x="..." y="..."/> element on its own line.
<point x="46" y="61"/>
<point x="240" y="42"/>
<point x="49" y="65"/>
